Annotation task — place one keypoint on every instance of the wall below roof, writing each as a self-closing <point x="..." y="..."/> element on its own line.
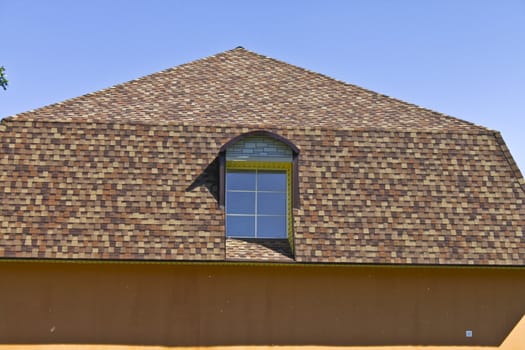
<point x="219" y="305"/>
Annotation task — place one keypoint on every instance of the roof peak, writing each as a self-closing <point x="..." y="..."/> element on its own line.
<point x="240" y="86"/>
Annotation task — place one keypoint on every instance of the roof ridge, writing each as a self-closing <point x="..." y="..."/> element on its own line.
<point x="510" y="159"/>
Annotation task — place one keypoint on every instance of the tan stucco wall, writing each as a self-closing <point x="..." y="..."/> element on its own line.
<point x="199" y="305"/>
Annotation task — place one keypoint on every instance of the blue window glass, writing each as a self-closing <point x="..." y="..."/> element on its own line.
<point x="271" y="181"/>
<point x="240" y="226"/>
<point x="240" y="202"/>
<point x="241" y="180"/>
<point x="271" y="226"/>
<point x="256" y="204"/>
<point x="271" y="203"/>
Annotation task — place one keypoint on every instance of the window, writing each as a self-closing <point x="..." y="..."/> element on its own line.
<point x="257" y="200"/>
<point x="258" y="186"/>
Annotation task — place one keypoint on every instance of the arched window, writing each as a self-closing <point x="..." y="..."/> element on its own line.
<point x="258" y="185"/>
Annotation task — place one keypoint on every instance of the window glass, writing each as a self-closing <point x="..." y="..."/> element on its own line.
<point x="256" y="203"/>
<point x="271" y="203"/>
<point x="240" y="180"/>
<point x="271" y="226"/>
<point x="240" y="226"/>
<point x="240" y="202"/>
<point x="271" y="181"/>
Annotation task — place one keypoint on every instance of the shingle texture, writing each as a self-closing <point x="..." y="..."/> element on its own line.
<point x="239" y="87"/>
<point x="258" y="249"/>
<point x="107" y="175"/>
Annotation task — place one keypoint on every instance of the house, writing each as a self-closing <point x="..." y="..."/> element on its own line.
<point x="238" y="200"/>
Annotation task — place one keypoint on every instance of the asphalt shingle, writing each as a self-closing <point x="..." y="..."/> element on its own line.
<point x="107" y="175"/>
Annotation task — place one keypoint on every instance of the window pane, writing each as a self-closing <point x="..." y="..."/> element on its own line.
<point x="240" y="202"/>
<point x="240" y="226"/>
<point x="271" y="226"/>
<point x="240" y="180"/>
<point x="271" y="203"/>
<point x="271" y="181"/>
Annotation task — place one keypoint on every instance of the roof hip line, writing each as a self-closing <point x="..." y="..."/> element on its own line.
<point x="508" y="157"/>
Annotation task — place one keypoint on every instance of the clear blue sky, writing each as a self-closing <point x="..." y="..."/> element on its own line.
<point x="465" y="58"/>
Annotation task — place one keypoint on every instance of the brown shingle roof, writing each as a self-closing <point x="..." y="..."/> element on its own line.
<point x="239" y="87"/>
<point x="106" y="175"/>
<point x="276" y="250"/>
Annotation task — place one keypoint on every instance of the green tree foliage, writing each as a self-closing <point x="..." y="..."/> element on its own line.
<point x="3" y="80"/>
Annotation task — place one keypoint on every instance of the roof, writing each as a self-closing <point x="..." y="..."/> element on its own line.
<point x="109" y="175"/>
<point x="239" y="87"/>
